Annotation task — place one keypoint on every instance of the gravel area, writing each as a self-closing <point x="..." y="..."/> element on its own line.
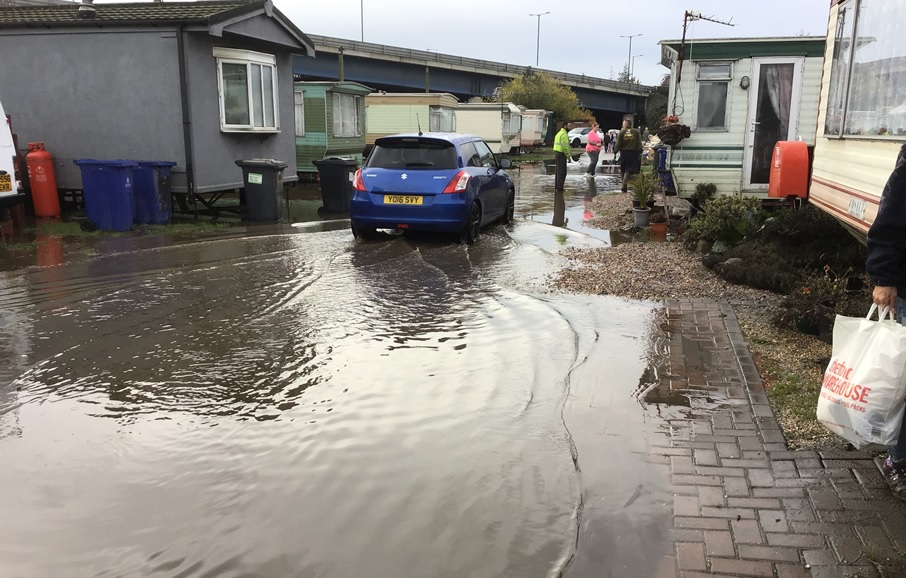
<point x="661" y="270"/>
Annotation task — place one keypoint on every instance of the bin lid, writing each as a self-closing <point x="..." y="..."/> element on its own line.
<point x="261" y="163"/>
<point x="335" y="162"/>
<point x="105" y="163"/>
<point x="157" y="163"/>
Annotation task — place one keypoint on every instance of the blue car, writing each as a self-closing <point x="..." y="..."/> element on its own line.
<point x="442" y="182"/>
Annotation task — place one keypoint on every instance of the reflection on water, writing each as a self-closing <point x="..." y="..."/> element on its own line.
<point x="536" y="198"/>
<point x="306" y="404"/>
<point x="560" y="209"/>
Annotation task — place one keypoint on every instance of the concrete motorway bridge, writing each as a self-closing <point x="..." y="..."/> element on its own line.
<point x="403" y="70"/>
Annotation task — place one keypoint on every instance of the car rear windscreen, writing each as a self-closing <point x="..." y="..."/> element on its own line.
<point x="413" y="154"/>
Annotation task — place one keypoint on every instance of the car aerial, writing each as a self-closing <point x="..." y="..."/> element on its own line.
<point x="579" y="136"/>
<point x="444" y="182"/>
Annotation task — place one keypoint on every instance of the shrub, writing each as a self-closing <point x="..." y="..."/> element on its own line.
<point x="727" y="219"/>
<point x="704" y="192"/>
<point x="821" y="295"/>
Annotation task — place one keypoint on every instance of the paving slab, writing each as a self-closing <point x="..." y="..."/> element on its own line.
<point x="745" y="504"/>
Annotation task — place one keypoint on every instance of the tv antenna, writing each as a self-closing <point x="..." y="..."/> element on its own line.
<point x="689" y="16"/>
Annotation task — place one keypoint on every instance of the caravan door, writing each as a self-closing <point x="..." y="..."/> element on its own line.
<point x="773" y="115"/>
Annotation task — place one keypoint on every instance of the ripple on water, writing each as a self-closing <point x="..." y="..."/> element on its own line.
<point x="277" y="403"/>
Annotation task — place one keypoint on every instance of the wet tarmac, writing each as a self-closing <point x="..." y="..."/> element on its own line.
<point x="287" y="401"/>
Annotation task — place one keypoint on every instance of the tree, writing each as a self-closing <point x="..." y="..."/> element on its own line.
<point x="624" y="76"/>
<point x="541" y="90"/>
<point x="657" y="104"/>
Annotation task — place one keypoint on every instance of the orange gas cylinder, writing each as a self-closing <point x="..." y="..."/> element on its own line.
<point x="789" y="176"/>
<point x="43" y="180"/>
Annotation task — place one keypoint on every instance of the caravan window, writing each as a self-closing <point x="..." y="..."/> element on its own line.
<point x="441" y="119"/>
<point x="712" y="83"/>
<point x="346" y="115"/>
<point x="866" y="93"/>
<point x="299" y="109"/>
<point x="247" y="90"/>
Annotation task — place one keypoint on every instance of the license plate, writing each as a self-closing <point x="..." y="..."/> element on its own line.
<point x="6" y="183"/>
<point x="402" y="200"/>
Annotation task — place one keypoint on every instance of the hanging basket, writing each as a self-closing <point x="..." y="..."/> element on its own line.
<point x="672" y="133"/>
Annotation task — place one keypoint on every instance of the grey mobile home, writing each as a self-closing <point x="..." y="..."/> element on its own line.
<point x="199" y="83"/>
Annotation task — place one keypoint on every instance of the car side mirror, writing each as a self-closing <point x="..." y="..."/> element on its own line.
<point x="505" y="163"/>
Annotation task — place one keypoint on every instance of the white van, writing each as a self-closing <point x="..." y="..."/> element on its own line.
<point x="10" y="187"/>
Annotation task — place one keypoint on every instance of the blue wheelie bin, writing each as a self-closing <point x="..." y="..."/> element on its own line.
<point x="107" y="187"/>
<point x="152" y="192"/>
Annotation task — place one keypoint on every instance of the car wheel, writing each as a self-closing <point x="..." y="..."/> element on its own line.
<point x="507" y="218"/>
<point x="363" y="233"/>
<point x="470" y="232"/>
<point x="576" y="143"/>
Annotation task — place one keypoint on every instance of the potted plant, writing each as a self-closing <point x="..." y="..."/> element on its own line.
<point x="644" y="185"/>
<point x="672" y="131"/>
<point x="658" y="223"/>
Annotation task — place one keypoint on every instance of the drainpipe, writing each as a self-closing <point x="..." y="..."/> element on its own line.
<point x="340" y="63"/>
<point x="187" y="118"/>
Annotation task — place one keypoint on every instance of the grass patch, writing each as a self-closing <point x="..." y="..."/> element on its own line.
<point x="184" y="228"/>
<point x="73" y="229"/>
<point x="797" y="395"/>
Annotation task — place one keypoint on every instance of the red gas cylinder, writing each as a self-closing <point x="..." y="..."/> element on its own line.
<point x="43" y="180"/>
<point x="789" y="175"/>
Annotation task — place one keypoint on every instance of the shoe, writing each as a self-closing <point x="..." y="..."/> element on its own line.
<point x="895" y="476"/>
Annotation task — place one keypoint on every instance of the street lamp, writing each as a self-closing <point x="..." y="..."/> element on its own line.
<point x="633" y="63"/>
<point x="629" y="51"/>
<point x="361" y="22"/>
<point x="538" y="32"/>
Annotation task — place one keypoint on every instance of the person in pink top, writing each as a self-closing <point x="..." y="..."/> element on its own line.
<point x="593" y="148"/>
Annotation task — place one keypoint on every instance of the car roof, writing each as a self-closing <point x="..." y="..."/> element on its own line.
<point x="451" y="137"/>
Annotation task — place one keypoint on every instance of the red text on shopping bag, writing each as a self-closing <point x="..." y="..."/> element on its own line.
<point x="837" y="381"/>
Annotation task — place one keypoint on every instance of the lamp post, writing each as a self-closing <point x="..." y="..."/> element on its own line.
<point x="538" y="33"/>
<point x="361" y="22"/>
<point x="633" y="63"/>
<point x="629" y="51"/>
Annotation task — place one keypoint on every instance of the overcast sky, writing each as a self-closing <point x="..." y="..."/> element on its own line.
<point x="581" y="36"/>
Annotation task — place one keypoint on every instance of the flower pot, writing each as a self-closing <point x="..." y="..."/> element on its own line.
<point x="641" y="216"/>
<point x="659" y="229"/>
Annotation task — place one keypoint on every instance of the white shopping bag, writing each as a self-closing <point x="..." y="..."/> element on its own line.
<point x="863" y="390"/>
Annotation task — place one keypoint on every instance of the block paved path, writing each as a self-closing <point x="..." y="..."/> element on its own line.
<point x="743" y="504"/>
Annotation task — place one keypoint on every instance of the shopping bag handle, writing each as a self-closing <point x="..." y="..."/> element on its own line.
<point x="885" y="311"/>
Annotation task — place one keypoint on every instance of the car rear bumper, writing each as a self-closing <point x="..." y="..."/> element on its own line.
<point x="444" y="212"/>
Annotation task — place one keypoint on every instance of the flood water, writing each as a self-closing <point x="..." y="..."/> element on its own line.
<point x="301" y="404"/>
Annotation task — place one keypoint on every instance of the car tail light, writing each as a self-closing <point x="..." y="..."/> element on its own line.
<point x="458" y="183"/>
<point x="357" y="181"/>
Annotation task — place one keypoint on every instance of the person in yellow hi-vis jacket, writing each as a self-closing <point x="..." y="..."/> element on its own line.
<point x="561" y="150"/>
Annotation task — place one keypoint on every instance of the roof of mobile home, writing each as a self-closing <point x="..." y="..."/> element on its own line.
<point x="212" y="13"/>
<point x="736" y="48"/>
<point x="439" y="98"/>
